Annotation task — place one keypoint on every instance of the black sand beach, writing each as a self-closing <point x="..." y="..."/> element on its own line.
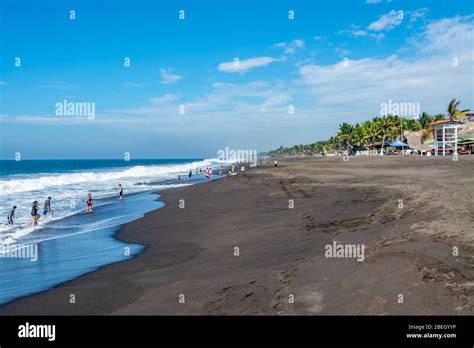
<point x="191" y="251"/>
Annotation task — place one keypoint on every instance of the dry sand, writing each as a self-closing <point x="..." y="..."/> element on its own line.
<point x="191" y="251"/>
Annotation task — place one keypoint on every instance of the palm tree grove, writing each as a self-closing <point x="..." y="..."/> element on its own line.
<point x="373" y="133"/>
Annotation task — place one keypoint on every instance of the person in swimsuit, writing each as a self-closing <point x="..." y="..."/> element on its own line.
<point x="47" y="207"/>
<point x="11" y="215"/>
<point x="121" y="191"/>
<point x="34" y="213"/>
<point x="190" y="174"/>
<point x="89" y="202"/>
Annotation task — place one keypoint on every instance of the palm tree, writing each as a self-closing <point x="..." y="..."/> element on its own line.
<point x="319" y="146"/>
<point x="345" y="135"/>
<point x="425" y="120"/>
<point x="333" y="143"/>
<point x="386" y="127"/>
<point x="359" y="137"/>
<point x="453" y="112"/>
<point x="411" y="124"/>
<point x="370" y="132"/>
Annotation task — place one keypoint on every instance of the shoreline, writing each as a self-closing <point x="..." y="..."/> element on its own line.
<point x="135" y="199"/>
<point x="191" y="251"/>
<point x="140" y="201"/>
<point x="68" y="257"/>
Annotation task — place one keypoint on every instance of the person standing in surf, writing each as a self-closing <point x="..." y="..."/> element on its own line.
<point x="34" y="213"/>
<point x="120" y="191"/>
<point x="47" y="207"/>
<point x="190" y="174"/>
<point x="89" y="203"/>
<point x="11" y="215"/>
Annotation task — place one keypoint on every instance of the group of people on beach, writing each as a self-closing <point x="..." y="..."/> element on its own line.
<point x="35" y="215"/>
<point x="207" y="172"/>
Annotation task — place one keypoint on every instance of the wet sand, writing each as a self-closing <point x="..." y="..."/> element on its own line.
<point x="409" y="212"/>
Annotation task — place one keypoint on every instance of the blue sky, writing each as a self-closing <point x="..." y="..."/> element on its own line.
<point x="399" y="50"/>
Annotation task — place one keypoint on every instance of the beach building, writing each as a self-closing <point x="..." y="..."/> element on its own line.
<point x="417" y="142"/>
<point x="446" y="133"/>
<point x="466" y="138"/>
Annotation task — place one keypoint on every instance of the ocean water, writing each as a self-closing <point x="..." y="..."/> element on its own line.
<point x="72" y="242"/>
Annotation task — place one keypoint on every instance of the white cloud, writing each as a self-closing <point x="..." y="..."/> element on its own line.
<point x="454" y="35"/>
<point x="227" y="100"/>
<point x="59" y="85"/>
<point x="164" y="100"/>
<point x="242" y="66"/>
<point x="428" y="77"/>
<point x="133" y="84"/>
<point x="343" y="52"/>
<point x="248" y="99"/>
<point x="387" y="21"/>
<point x="161" y="106"/>
<point x="417" y="14"/>
<point x="167" y="76"/>
<point x="53" y="120"/>
<point x="290" y="47"/>
<point x="356" y="31"/>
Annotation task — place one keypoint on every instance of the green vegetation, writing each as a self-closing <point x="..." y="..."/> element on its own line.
<point x="371" y="134"/>
<point x="454" y="113"/>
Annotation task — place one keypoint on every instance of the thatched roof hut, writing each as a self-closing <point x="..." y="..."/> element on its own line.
<point x="467" y="131"/>
<point x="417" y="140"/>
